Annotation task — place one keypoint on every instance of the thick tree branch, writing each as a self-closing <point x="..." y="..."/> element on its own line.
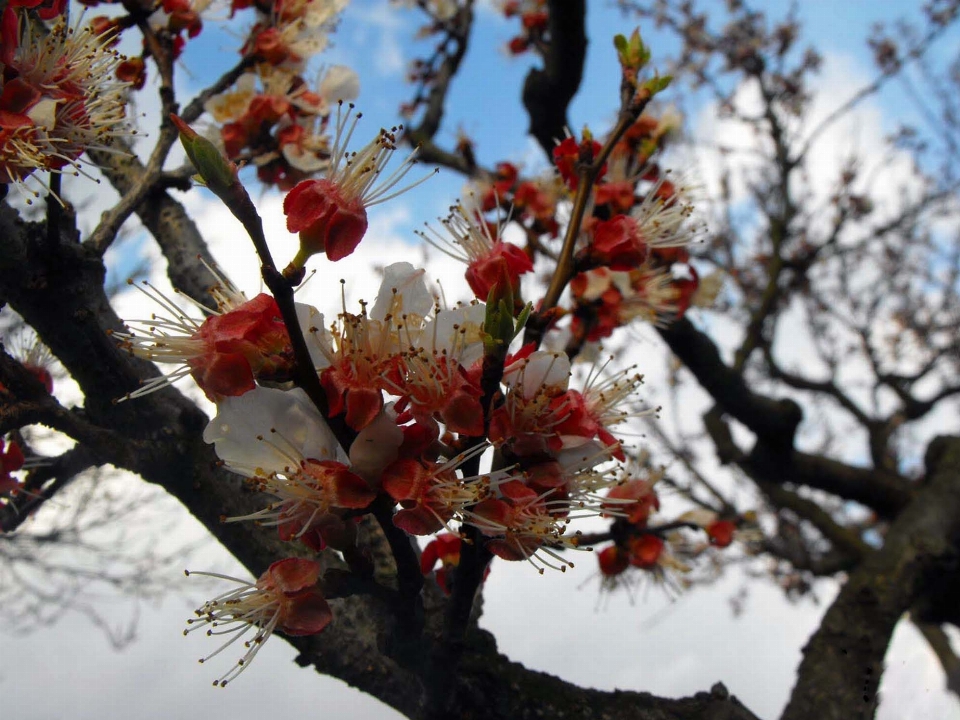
<point x="842" y="663"/>
<point x="167" y="220"/>
<point x="547" y="92"/>
<point x="775" y="421"/>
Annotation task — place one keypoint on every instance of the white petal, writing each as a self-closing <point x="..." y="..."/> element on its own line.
<point x="457" y="333"/>
<point x="542" y="369"/>
<point x="376" y="446"/>
<point x="317" y="337"/>
<point x="269" y="429"/>
<point x="339" y="83"/>
<point x="411" y="296"/>
<point x="303" y="160"/>
<point x="44" y="113"/>
<point x="580" y="454"/>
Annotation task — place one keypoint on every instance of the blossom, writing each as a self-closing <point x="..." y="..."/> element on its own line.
<point x="437" y="386"/>
<point x="617" y="244"/>
<point x="269" y="431"/>
<point x="492" y="191"/>
<point x="722" y="531"/>
<point x="243" y="340"/>
<point x="526" y="420"/>
<point x="285" y="598"/>
<point x="250" y="341"/>
<point x="541" y="414"/>
<point x="362" y="349"/>
<point x="330" y="214"/>
<point x="445" y="549"/>
<point x="376" y="446"/>
<point x="58" y="97"/>
<point x="431" y="494"/>
<point x="659" y="222"/>
<point x="567" y="157"/>
<point x="281" y="103"/>
<point x="296" y="30"/>
<point x="429" y="361"/>
<point x="524" y="525"/>
<point x="489" y="259"/>
<point x="607" y="299"/>
<point x="589" y="413"/>
<point x="634" y="500"/>
<point x="34" y="356"/>
<point x="613" y="561"/>
<point x="437" y="377"/>
<point x="663" y="218"/>
<point x="279" y="440"/>
<point x="645" y="551"/>
<point x="45" y="9"/>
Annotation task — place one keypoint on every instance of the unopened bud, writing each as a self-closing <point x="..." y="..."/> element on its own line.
<point x="216" y="171"/>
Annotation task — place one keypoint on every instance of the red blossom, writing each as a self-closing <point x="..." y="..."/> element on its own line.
<point x="644" y="497"/>
<point x="134" y="71"/>
<point x="11" y="460"/>
<point x="437" y="387"/>
<point x="535" y="21"/>
<point x="302" y="607"/>
<point x="320" y="523"/>
<point x="721" y="532"/>
<point x="267" y="110"/>
<point x="567" y="156"/>
<point x="45" y="9"/>
<point x="524" y="517"/>
<point x="619" y="195"/>
<point x="268" y="45"/>
<point x="247" y="342"/>
<point x="445" y="549"/>
<point x="613" y="561"/>
<point x="326" y="220"/>
<point x="503" y="264"/>
<point x="618" y="244"/>
<point x="579" y="420"/>
<point x="645" y="551"/>
<point x="597" y="316"/>
<point x="686" y="288"/>
<point x="503" y="182"/>
<point x="415" y="486"/>
<point x="350" y="392"/>
<point x="518" y="45"/>
<point x="182" y="17"/>
<point x="530" y="200"/>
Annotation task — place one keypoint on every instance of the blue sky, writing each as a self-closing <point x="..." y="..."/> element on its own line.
<point x="378" y="41"/>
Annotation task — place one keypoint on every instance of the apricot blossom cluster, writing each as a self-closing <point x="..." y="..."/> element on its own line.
<point x="631" y="260"/>
<point x="441" y="415"/>
<point x="534" y="19"/>
<point x="272" y="116"/>
<point x="57" y="95"/>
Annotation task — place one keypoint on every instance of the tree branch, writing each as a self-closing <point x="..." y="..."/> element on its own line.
<point x="842" y="663"/>
<point x="547" y="92"/>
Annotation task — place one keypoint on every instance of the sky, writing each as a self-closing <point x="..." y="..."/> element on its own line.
<point x="671" y="645"/>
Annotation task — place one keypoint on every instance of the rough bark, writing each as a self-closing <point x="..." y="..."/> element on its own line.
<point x="548" y="91"/>
<point x="843" y="662"/>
